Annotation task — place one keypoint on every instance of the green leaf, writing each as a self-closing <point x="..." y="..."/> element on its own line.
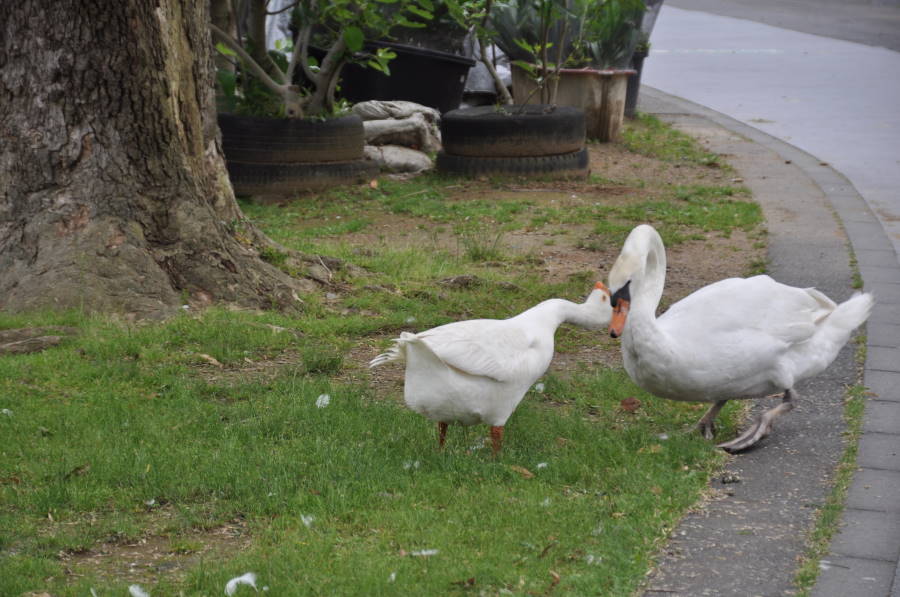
<point x="225" y="50"/>
<point x="379" y="66"/>
<point x="422" y="13"/>
<point x="353" y="37"/>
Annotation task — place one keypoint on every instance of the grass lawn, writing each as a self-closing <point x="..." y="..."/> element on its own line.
<point x="180" y="454"/>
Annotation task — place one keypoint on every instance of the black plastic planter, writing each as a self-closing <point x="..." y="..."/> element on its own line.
<point x="634" y="83"/>
<point x="428" y="77"/>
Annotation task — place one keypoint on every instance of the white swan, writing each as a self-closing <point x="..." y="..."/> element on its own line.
<point x="736" y="338"/>
<point x="477" y="371"/>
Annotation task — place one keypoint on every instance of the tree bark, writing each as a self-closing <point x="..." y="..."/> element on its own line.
<point x="113" y="188"/>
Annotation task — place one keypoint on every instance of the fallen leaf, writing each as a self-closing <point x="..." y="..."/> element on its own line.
<point x="527" y="474"/>
<point x="630" y="404"/>
<point x="469" y="582"/>
<point x="373" y="184"/>
<point x="555" y="577"/>
<point x="618" y="515"/>
<point x="209" y="359"/>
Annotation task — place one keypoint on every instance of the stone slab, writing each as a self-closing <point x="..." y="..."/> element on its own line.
<point x="879" y="451"/>
<point x="868" y="534"/>
<point x="875" y="489"/>
<point x="853" y="577"/>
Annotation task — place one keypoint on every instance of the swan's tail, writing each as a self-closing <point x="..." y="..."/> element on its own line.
<point x="848" y="316"/>
<point x="853" y="312"/>
<point x="396" y="353"/>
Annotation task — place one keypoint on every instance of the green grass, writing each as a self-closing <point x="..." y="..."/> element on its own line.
<point x="828" y="518"/>
<point x="126" y="428"/>
<point x="652" y="137"/>
<point x="170" y="434"/>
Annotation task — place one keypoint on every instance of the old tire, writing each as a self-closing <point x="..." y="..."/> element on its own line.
<point x="513" y="131"/>
<point x="249" y="178"/>
<point x="250" y="139"/>
<point x="572" y="164"/>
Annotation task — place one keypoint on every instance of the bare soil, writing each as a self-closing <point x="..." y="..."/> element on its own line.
<point x="560" y="251"/>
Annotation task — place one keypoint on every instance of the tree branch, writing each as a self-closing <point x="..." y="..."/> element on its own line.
<point x="301" y="55"/>
<point x="248" y="60"/>
<point x="485" y="59"/>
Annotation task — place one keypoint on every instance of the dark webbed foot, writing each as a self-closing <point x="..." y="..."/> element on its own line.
<point x="707" y="424"/>
<point x="761" y="428"/>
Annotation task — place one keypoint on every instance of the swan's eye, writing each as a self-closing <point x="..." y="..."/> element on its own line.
<point x="621" y="294"/>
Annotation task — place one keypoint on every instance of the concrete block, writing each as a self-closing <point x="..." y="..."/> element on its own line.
<point x="884" y="384"/>
<point x="875" y="490"/>
<point x="870" y="535"/>
<point x="879" y="450"/>
<point x="843" y="577"/>
<point x="882" y="416"/>
<point x="883" y="358"/>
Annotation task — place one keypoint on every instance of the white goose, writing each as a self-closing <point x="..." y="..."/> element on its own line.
<point x="734" y="339"/>
<point x="477" y="371"/>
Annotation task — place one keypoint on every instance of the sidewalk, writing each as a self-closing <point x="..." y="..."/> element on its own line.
<point x="747" y="538"/>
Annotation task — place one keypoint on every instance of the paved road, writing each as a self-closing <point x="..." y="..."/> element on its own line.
<point x="839" y="102"/>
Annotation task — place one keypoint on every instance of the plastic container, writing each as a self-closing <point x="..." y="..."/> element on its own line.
<point x="428" y="77"/>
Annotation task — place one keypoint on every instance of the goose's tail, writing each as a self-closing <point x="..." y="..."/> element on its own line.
<point x="396" y="353"/>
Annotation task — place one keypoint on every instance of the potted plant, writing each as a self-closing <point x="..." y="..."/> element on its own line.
<point x="593" y="40"/>
<point x="526" y="139"/>
<point x="280" y="136"/>
<point x="429" y="68"/>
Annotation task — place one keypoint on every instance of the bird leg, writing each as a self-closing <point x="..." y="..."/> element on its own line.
<point x="762" y="427"/>
<point x="496" y="438"/>
<point x="707" y="424"/>
<point x="442" y="433"/>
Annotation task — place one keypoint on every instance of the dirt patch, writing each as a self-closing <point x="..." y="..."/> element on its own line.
<point x="155" y="556"/>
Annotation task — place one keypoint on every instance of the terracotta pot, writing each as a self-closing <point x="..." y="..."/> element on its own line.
<point x="600" y="93"/>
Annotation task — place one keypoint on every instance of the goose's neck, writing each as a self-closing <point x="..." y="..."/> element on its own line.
<point x="555" y="312"/>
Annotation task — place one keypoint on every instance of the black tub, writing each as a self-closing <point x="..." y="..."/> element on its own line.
<point x="427" y="77"/>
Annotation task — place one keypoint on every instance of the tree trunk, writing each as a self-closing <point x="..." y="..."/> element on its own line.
<point x="113" y="188"/>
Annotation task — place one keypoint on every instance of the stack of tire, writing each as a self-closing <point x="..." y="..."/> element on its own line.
<point x="529" y="140"/>
<point x="286" y="156"/>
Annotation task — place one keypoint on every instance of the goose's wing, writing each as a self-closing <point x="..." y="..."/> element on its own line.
<point x="487" y="347"/>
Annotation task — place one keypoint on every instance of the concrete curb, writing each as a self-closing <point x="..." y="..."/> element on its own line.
<point x="864" y="554"/>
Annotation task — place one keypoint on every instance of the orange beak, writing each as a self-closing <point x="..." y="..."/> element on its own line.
<point x="602" y="286"/>
<point x="620" y="314"/>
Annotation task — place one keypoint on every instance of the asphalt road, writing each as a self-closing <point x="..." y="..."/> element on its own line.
<point x="869" y="22"/>
<point x="835" y="99"/>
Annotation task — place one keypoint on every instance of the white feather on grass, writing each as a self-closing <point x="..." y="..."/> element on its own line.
<point x="323" y="400"/>
<point x="137" y="591"/>
<point x="245" y="579"/>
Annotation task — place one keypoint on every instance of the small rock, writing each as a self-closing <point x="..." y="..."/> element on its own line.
<point x="727" y="478"/>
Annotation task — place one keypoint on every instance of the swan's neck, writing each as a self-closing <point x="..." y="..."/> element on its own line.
<point x="648" y="287"/>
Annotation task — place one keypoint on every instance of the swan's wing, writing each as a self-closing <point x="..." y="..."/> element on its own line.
<point x="757" y="306"/>
<point x="485" y="347"/>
